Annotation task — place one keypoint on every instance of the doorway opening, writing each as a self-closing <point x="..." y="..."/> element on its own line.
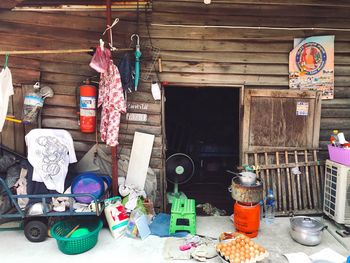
<point x="203" y="123"/>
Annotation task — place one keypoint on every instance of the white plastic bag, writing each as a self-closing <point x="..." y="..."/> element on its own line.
<point x="116" y="216"/>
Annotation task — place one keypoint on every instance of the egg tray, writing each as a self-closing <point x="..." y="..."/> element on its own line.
<point x="244" y="251"/>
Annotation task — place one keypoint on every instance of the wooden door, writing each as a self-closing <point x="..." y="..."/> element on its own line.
<point x="280" y="119"/>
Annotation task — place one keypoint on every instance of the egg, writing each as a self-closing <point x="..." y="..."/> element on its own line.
<point x="242" y="249"/>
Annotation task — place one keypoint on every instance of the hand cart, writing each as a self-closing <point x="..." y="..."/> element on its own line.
<point x="36" y="226"/>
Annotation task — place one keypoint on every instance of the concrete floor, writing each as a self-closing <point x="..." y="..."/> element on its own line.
<point x="14" y="247"/>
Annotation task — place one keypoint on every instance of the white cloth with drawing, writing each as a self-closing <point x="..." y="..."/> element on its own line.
<point x="6" y="90"/>
<point x="50" y="152"/>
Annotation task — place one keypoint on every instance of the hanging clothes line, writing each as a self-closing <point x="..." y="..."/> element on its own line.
<point x="54" y="51"/>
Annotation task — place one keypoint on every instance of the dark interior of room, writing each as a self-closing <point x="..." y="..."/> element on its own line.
<point x="203" y="123"/>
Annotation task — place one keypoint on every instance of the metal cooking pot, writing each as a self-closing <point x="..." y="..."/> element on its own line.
<point x="246" y="178"/>
<point x="306" y="230"/>
<point x="252" y="193"/>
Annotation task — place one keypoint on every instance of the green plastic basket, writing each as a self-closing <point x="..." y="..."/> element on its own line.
<point x="76" y="245"/>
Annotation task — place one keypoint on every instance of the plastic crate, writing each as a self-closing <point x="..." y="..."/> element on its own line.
<point x="339" y="155"/>
<point x="76" y="245"/>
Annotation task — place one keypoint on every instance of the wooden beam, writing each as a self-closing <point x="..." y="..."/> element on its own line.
<point x="338" y="3"/>
<point x="124" y="6"/>
<point x="9" y="4"/>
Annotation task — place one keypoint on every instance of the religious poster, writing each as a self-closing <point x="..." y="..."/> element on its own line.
<point x="311" y="65"/>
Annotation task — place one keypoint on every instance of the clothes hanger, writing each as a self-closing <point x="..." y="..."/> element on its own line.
<point x="102" y="44"/>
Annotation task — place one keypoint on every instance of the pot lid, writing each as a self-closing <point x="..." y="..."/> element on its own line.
<point x="305" y="223"/>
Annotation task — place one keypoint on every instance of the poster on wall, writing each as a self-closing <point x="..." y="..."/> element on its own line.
<point x="311" y="65"/>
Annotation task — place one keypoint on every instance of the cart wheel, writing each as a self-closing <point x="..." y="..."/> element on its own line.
<point x="35" y="231"/>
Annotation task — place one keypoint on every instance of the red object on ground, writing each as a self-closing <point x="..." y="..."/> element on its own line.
<point x="247" y="218"/>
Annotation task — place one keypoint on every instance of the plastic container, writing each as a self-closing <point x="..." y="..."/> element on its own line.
<point x="81" y="243"/>
<point x="270" y="207"/>
<point x="339" y="155"/>
<point x="88" y="183"/>
<point x="32" y="104"/>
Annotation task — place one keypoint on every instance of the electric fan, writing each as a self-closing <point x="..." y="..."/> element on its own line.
<point x="179" y="170"/>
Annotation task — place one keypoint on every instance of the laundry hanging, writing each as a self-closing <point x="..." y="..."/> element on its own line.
<point x="126" y="69"/>
<point x="50" y="151"/>
<point x="101" y="58"/>
<point x="111" y="98"/>
<point x="6" y="90"/>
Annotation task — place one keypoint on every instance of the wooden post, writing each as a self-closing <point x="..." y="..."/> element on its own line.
<point x="114" y="148"/>
<point x="298" y="182"/>
<point x="307" y="180"/>
<point x="279" y="185"/>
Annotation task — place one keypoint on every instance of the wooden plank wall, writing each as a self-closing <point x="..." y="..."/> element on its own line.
<point x="256" y="57"/>
<point x="76" y="30"/>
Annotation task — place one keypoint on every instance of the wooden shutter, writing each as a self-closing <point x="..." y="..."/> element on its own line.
<point x="271" y="120"/>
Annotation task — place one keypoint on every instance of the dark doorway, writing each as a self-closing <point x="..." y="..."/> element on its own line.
<point x="203" y="123"/>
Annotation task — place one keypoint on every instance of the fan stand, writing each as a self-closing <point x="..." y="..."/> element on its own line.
<point x="175" y="195"/>
<point x="181" y="171"/>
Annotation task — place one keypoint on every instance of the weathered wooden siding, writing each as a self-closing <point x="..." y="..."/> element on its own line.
<point x="63" y="72"/>
<point x="256" y="57"/>
<point x="233" y="53"/>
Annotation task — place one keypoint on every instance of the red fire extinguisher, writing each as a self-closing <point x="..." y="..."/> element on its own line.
<point x="87" y="105"/>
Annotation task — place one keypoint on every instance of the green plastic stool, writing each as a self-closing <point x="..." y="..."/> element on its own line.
<point x="183" y="216"/>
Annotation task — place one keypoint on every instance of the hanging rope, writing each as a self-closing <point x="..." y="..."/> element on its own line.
<point x="109" y="27"/>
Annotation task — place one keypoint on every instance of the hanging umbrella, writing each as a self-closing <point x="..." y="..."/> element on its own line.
<point x="137" y="60"/>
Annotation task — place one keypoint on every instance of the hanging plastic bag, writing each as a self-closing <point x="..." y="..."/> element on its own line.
<point x="101" y="59"/>
<point x="33" y="102"/>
